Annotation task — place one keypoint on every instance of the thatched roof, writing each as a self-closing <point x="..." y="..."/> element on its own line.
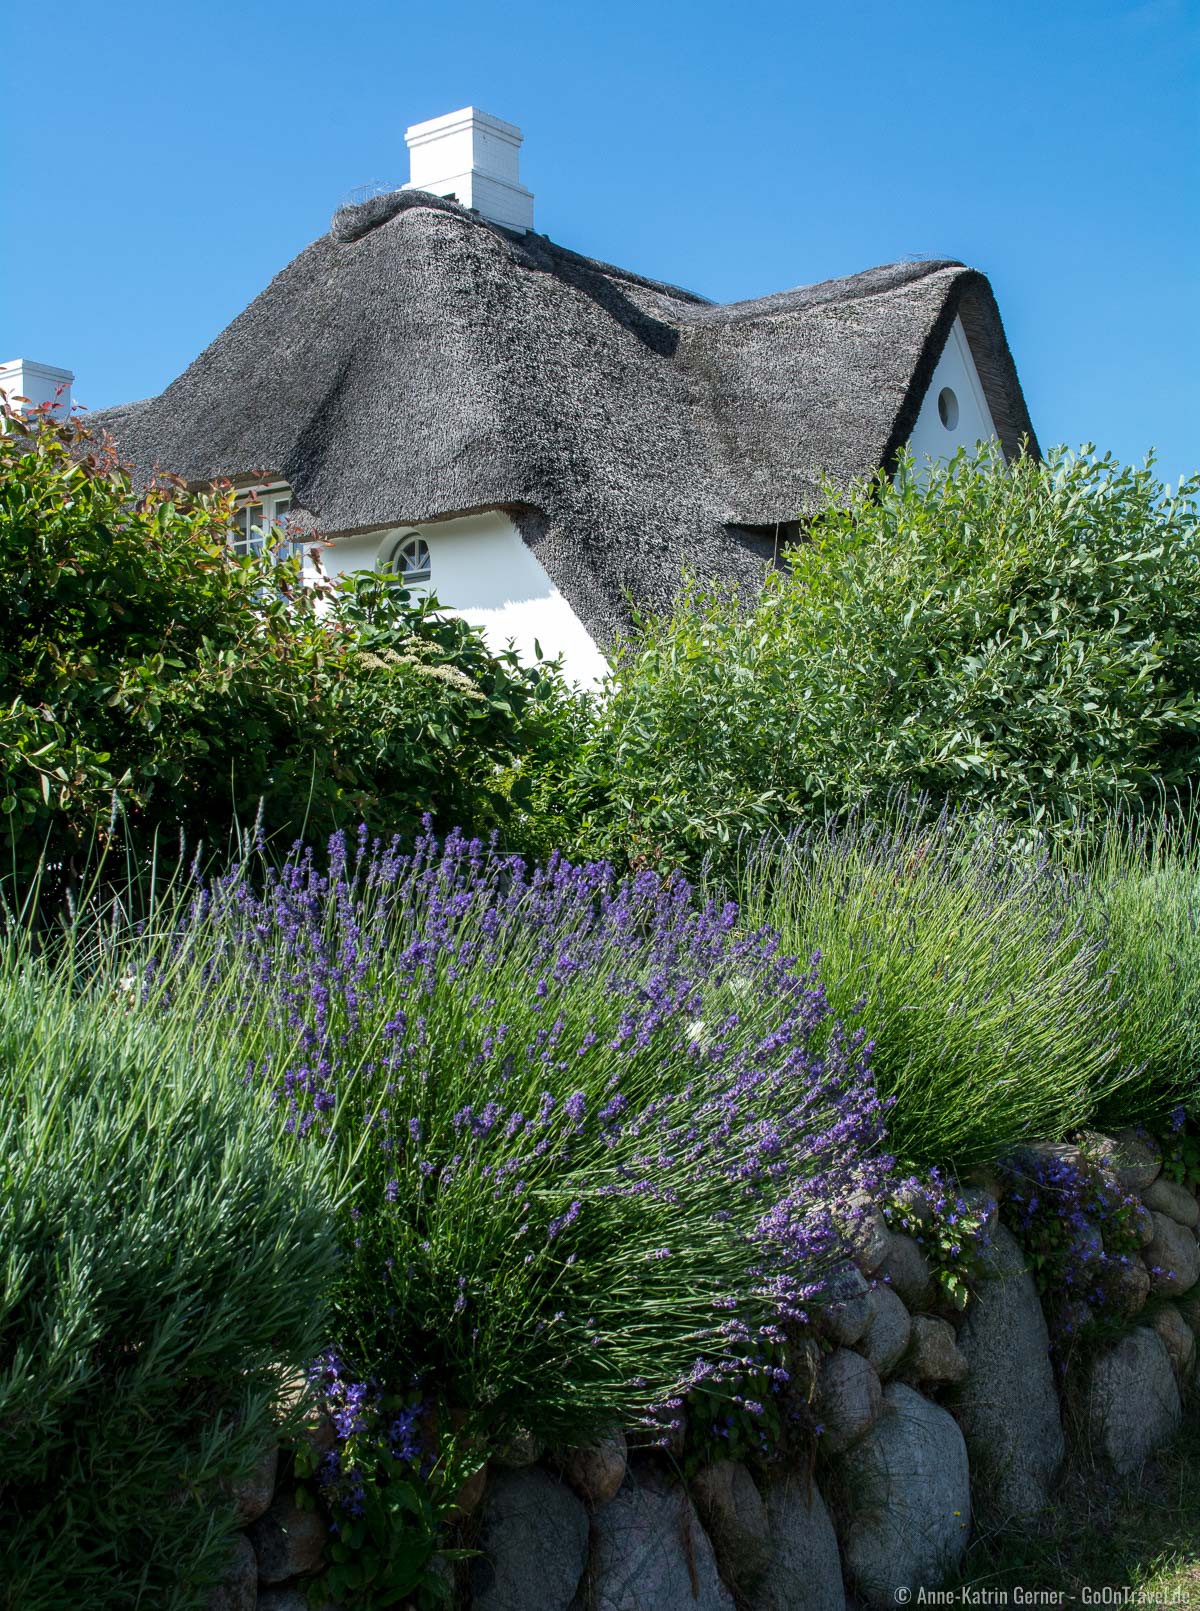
<point x="419" y="362"/>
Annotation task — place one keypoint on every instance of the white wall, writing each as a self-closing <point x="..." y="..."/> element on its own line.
<point x="482" y="570"/>
<point x="956" y="370"/>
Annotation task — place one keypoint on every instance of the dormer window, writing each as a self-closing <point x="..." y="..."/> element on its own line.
<point x="260" y="523"/>
<point x="408" y="560"/>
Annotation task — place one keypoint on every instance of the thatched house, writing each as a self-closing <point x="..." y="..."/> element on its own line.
<point x="541" y="438"/>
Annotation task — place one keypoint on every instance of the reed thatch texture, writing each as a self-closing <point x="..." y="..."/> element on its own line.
<point x="419" y="362"/>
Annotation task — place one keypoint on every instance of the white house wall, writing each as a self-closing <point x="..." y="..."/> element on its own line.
<point x="956" y="371"/>
<point x="482" y="570"/>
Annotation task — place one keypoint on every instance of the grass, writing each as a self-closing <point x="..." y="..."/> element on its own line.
<point x="1141" y="1536"/>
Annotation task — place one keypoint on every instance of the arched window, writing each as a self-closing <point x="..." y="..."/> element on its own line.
<point x="408" y="560"/>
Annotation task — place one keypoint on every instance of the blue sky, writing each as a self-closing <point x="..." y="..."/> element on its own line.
<point x="168" y="159"/>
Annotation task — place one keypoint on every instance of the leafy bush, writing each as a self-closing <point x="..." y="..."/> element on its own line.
<point x="1022" y="637"/>
<point x="144" y="666"/>
<point x="163" y="1268"/>
<point x="596" y="1136"/>
<point x="993" y="1021"/>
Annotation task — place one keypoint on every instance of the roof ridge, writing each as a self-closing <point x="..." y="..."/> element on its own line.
<point x="612" y="271"/>
<point x="879" y="280"/>
<point x="352" y="222"/>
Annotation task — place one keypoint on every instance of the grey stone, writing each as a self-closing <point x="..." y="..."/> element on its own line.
<point x="804" y="1568"/>
<point x="988" y="1180"/>
<point x="1173" y="1257"/>
<point x="597" y="1470"/>
<point x="1131" y="1400"/>
<point x="866" y="1233"/>
<point x="906" y="1270"/>
<point x="1007" y="1405"/>
<point x="1127" y="1282"/>
<point x="888" y="1330"/>
<point x="845" y="1316"/>
<point x="533" y="1538"/>
<point x="238" y="1588"/>
<point x="1176" y="1202"/>
<point x="521" y="1450"/>
<point x="1137" y="1160"/>
<point x="650" y="1551"/>
<point x="1188" y="1304"/>
<point x="933" y="1354"/>
<point x="907" y="1498"/>
<point x="1179" y="1340"/>
<point x="1128" y="1156"/>
<point x="735" y="1519"/>
<point x="847" y="1400"/>
<point x="287" y="1540"/>
<point x="252" y="1497"/>
<point x="913" y="1200"/>
<point x="1064" y="1152"/>
<point x="1143" y="1221"/>
<point x="803" y="1360"/>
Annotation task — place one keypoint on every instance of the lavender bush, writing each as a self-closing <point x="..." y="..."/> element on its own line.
<point x="995" y="1014"/>
<point x="1138" y="897"/>
<point x="594" y="1136"/>
<point x="164" y="1259"/>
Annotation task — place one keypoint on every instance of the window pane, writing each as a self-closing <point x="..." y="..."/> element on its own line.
<point x="408" y="560"/>
<point x="413" y="560"/>
<point x="254" y="528"/>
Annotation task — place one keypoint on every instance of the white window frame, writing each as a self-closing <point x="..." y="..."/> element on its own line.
<point x="257" y="540"/>
<point x="389" y="554"/>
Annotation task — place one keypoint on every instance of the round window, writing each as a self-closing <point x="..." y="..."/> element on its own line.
<point x="947" y="408"/>
<point x="408" y="560"/>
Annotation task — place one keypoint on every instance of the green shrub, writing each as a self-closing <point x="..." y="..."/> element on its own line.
<point x="150" y="679"/>
<point x="1020" y="637"/>
<point x="992" y="1017"/>
<point x="164" y="1266"/>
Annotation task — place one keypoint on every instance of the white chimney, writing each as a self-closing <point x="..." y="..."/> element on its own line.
<point x="40" y="383"/>
<point x="471" y="157"/>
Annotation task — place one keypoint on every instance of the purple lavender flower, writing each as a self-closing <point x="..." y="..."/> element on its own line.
<point x="502" y="1045"/>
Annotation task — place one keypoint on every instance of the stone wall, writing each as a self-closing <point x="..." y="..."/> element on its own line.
<point x="928" y="1421"/>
